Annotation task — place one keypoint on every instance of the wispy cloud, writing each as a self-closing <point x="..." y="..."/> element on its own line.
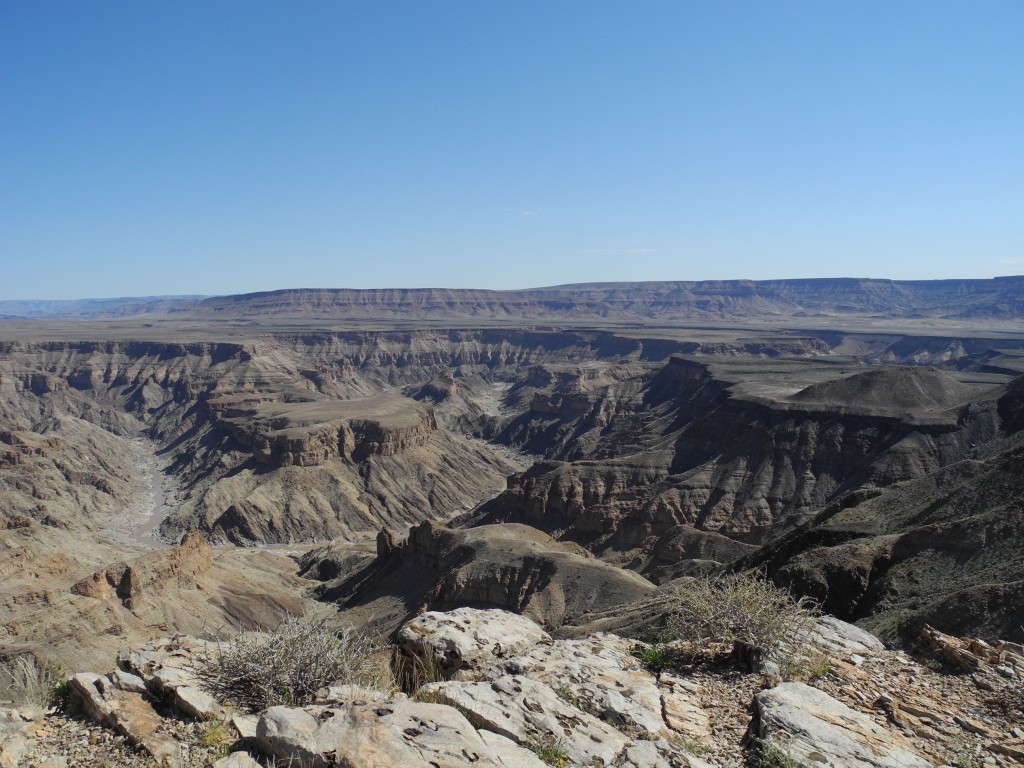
<point x="527" y="213"/>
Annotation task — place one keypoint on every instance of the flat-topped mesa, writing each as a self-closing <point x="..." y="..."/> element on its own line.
<point x="308" y="434"/>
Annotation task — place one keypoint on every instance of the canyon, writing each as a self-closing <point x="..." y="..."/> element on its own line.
<point x="565" y="453"/>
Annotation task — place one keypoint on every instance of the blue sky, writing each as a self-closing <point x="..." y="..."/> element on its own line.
<point x="224" y="147"/>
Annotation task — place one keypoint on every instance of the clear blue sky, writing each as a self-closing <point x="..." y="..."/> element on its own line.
<point x="168" y="147"/>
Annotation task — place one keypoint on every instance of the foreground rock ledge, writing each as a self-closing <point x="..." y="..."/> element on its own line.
<point x="515" y="696"/>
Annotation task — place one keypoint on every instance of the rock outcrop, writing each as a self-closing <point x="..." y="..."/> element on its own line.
<point x="468" y="640"/>
<point x="512" y="567"/>
<point x="184" y="565"/>
<point x="577" y="703"/>
<point x="810" y="727"/>
<point x="369" y="733"/>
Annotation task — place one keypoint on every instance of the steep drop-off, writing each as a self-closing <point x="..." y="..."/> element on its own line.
<point x="698" y="445"/>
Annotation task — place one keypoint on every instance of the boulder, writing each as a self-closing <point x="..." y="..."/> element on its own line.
<point x="368" y="734"/>
<point x="530" y="713"/>
<point x="812" y="728"/>
<point x="597" y="675"/>
<point x="236" y="760"/>
<point x="466" y="642"/>
<point x="839" y="639"/>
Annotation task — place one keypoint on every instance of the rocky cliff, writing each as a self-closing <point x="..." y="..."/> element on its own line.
<point x="703" y="446"/>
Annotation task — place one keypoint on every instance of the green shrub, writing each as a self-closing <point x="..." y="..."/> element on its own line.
<point x="774" y="754"/>
<point x="289" y="665"/>
<point x="799" y="667"/>
<point x="215" y="735"/>
<point x="657" y="658"/>
<point x="551" y="751"/>
<point x="750" y="612"/>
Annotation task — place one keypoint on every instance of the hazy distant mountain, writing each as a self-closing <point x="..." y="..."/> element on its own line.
<point x="97" y="308"/>
<point x="998" y="299"/>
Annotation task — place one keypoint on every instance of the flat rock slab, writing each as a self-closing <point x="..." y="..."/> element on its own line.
<point x="399" y="733"/>
<point x="127" y="712"/>
<point x="816" y="730"/>
<point x="681" y="707"/>
<point x="512" y="755"/>
<point x="530" y="713"/>
<point x="839" y="639"/>
<point x="597" y="675"/>
<point x="656" y="754"/>
<point x="467" y="641"/>
<point x="167" y="666"/>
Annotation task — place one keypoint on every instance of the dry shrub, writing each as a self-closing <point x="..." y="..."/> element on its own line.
<point x="744" y="609"/>
<point x="257" y="670"/>
<point x="413" y="671"/>
<point x="26" y="683"/>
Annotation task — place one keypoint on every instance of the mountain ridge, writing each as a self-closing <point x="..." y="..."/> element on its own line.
<point x="995" y="300"/>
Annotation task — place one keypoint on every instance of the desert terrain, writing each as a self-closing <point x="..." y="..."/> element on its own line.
<point x="568" y="454"/>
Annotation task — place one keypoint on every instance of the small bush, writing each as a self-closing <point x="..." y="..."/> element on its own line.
<point x="36" y="687"/>
<point x="412" y="672"/>
<point x="750" y="612"/>
<point x="215" y="736"/>
<point x="799" y="667"/>
<point x="551" y="751"/>
<point x="289" y="665"/>
<point x="774" y="754"/>
<point x="695" y="747"/>
<point x="657" y="658"/>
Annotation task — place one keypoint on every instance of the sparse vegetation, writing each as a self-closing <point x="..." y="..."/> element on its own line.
<point x="215" y="736"/>
<point x="695" y="747"/>
<point x="749" y="611"/>
<point x="569" y="697"/>
<point x="413" y="672"/>
<point x="657" y="658"/>
<point x="551" y="751"/>
<point x="799" y="667"/>
<point x="27" y="684"/>
<point x="773" y="753"/>
<point x="289" y="665"/>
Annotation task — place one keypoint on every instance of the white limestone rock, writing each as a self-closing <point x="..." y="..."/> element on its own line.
<point x="598" y="675"/>
<point x="529" y="713"/>
<point x="839" y="639"/>
<point x="656" y="754"/>
<point x="236" y="760"/>
<point x="468" y="641"/>
<point x="815" y="729"/>
<point x="401" y="733"/>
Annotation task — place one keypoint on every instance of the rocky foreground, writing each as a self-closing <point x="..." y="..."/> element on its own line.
<point x="503" y="692"/>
